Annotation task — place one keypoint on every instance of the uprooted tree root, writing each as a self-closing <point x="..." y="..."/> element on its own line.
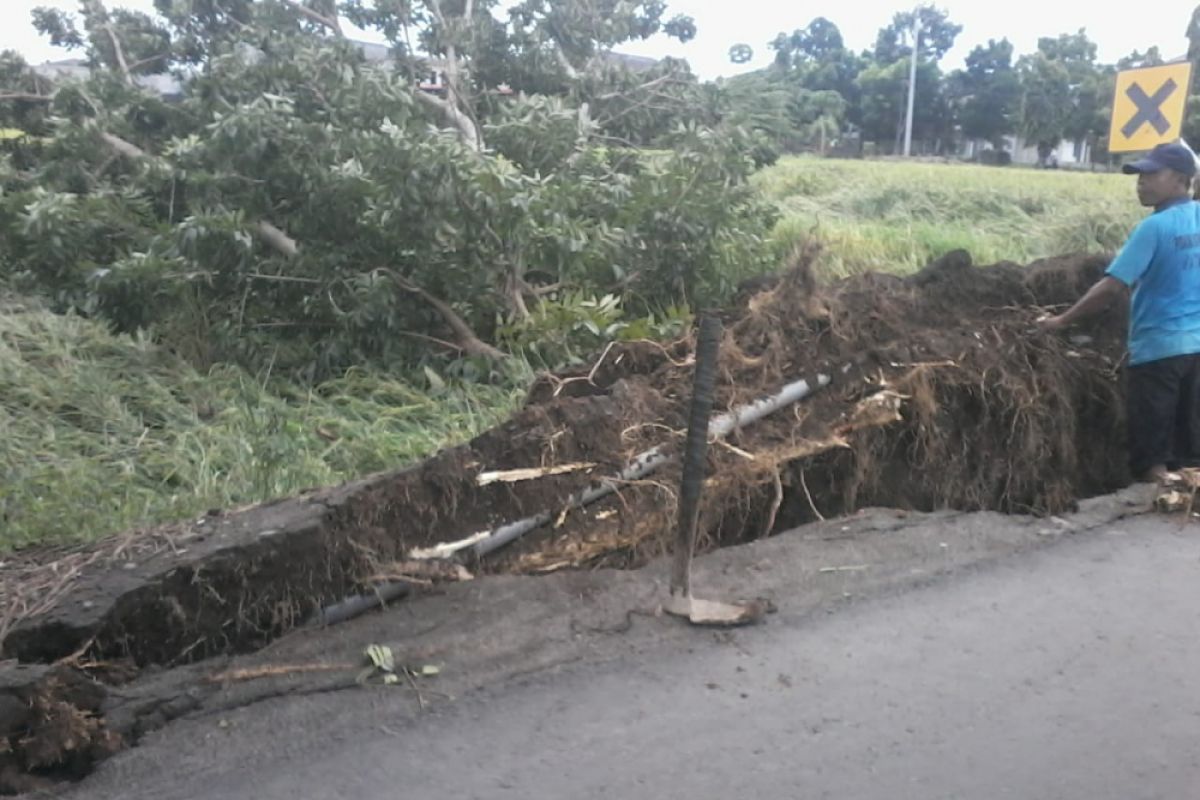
<point x="942" y="395"/>
<point x="50" y="725"/>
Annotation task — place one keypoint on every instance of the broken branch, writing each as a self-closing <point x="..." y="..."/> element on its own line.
<point x="120" y="53"/>
<point x="277" y="239"/>
<point x="29" y="97"/>
<point x="125" y="148"/>
<point x="529" y="473"/>
<point x="331" y="23"/>
<point x="470" y="343"/>
<point x="466" y="128"/>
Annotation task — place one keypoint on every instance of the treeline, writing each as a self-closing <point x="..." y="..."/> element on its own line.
<point x="818" y="91"/>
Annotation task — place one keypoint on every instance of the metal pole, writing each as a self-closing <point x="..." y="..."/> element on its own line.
<point x="912" y="83"/>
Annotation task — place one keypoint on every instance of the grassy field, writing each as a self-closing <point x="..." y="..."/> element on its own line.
<point x="99" y="433"/>
<point x="896" y="216"/>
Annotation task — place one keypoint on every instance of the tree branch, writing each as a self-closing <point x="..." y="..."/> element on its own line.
<point x="458" y="111"/>
<point x="329" y="22"/>
<point x="125" y="148"/>
<point x="470" y="343"/>
<point x="120" y="53"/>
<point x="28" y="97"/>
<point x="271" y="235"/>
<point x="149" y="60"/>
<point x="565" y="63"/>
<point x="435" y="8"/>
<point x="277" y="239"/>
<point x="647" y="85"/>
<point x="466" y="128"/>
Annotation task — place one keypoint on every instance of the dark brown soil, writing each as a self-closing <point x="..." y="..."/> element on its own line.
<point x="943" y="394"/>
<point x="995" y="415"/>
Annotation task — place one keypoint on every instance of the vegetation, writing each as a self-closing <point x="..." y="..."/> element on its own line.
<point x="305" y="209"/>
<point x="312" y="264"/>
<point x="897" y="216"/>
<point x="104" y="431"/>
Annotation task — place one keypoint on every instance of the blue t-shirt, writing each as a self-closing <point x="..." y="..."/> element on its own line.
<point x="1161" y="262"/>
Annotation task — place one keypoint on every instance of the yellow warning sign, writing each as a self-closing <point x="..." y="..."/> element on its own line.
<point x="1148" y="106"/>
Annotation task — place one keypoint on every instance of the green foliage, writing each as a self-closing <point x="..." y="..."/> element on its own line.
<point x="988" y="92"/>
<point x="1058" y="92"/>
<point x="394" y="200"/>
<point x="1047" y="98"/>
<point x="571" y="326"/>
<point x="1066" y="94"/>
<point x="814" y="58"/>
<point x="937" y="35"/>
<point x="795" y="104"/>
<point x="884" y="93"/>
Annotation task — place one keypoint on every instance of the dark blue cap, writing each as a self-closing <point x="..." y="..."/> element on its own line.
<point x="1165" y="156"/>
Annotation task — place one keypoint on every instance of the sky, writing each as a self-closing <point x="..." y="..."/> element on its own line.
<point x="723" y="23"/>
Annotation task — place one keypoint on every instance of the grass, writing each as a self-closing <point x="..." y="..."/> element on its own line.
<point x="101" y="433"/>
<point x="897" y="216"/>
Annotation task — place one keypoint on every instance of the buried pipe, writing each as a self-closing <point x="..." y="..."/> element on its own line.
<point x="357" y="604"/>
<point x="642" y="465"/>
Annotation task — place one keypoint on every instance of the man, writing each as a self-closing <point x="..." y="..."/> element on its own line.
<point x="1160" y="263"/>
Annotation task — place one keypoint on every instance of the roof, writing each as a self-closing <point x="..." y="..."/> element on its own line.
<point x="632" y="62"/>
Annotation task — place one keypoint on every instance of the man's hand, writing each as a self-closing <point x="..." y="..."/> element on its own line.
<point x="1098" y="298"/>
<point x="1051" y="323"/>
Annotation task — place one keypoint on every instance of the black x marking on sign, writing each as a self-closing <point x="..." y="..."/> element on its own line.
<point x="1149" y="108"/>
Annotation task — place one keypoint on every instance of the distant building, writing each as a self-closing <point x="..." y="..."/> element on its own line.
<point x="163" y="84"/>
<point x="630" y="62"/>
<point x="1067" y="152"/>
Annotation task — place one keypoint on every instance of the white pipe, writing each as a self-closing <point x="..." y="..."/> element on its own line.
<point x="718" y="428"/>
<point x="723" y="425"/>
<point x="642" y="465"/>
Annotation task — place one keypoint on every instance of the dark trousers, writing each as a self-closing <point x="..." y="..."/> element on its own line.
<point x="1164" y="414"/>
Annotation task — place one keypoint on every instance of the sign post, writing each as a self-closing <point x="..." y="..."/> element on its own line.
<point x="1148" y="107"/>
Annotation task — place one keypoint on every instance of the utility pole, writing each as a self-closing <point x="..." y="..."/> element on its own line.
<point x="912" y="82"/>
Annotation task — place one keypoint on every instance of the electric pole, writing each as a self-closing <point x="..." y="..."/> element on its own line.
<point x="912" y="82"/>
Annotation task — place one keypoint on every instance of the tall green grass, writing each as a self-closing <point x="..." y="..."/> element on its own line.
<point x="897" y="216"/>
<point x="100" y="433"/>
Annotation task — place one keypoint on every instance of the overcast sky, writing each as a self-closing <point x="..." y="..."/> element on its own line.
<point x="722" y="23"/>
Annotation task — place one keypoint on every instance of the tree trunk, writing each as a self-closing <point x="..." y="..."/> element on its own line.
<point x="465" y="336"/>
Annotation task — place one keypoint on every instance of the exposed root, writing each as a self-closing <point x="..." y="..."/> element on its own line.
<point x="278" y="670"/>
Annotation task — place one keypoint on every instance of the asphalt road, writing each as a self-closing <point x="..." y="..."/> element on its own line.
<point x="1071" y="671"/>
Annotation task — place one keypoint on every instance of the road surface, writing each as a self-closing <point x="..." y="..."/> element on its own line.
<point x="1069" y="671"/>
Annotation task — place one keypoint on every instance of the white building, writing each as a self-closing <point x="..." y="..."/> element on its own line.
<point x="1068" y="152"/>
